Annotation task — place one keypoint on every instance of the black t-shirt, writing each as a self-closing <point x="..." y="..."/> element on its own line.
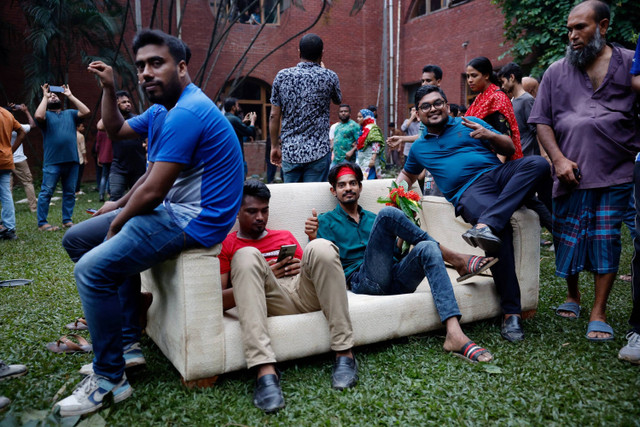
<point x="129" y="156"/>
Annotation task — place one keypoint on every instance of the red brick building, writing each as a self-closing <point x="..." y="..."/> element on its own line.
<point x="444" y="32"/>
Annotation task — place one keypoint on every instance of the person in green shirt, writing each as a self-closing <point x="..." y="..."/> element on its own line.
<point x="368" y="243"/>
<point x="344" y="135"/>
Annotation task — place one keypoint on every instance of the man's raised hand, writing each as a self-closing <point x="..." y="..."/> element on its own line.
<point x="311" y="225"/>
<point x="103" y="71"/>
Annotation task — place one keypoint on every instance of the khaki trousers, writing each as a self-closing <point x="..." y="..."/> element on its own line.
<point x="23" y="177"/>
<point x="258" y="294"/>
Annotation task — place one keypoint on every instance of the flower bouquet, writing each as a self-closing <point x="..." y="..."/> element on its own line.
<point x="406" y="200"/>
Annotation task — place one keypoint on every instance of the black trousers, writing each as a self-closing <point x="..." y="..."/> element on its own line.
<point x="492" y="199"/>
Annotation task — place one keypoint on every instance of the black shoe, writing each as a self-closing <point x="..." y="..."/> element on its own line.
<point x="512" y="329"/>
<point x="345" y="373"/>
<point x="7" y="234"/>
<point x="484" y="238"/>
<point x="267" y="394"/>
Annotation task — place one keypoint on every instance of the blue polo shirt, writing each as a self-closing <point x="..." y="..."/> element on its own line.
<point x="206" y="196"/>
<point x="454" y="158"/>
<point x="60" y="141"/>
<point x="349" y="236"/>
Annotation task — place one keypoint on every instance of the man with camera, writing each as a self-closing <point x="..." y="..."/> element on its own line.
<point x="261" y="281"/>
<point x="60" y="152"/>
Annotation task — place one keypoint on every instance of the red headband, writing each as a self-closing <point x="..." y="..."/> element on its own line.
<point x="345" y="170"/>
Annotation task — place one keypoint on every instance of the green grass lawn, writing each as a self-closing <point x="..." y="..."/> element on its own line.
<point x="554" y="377"/>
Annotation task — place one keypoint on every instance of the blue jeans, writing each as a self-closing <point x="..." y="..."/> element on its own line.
<point x="8" y="211"/>
<point x="316" y="171"/>
<point x="143" y="242"/>
<point x="104" y="180"/>
<point x="380" y="274"/>
<point x="85" y="236"/>
<point x="68" y="173"/>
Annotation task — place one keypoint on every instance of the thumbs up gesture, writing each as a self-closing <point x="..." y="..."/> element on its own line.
<point x="311" y="225"/>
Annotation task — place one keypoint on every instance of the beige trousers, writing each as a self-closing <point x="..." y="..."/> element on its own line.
<point x="319" y="286"/>
<point x="23" y="177"/>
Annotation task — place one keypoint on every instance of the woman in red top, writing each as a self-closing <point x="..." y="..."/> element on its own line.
<point x="492" y="105"/>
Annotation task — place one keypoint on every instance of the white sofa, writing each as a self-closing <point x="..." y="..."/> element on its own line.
<point x="188" y="324"/>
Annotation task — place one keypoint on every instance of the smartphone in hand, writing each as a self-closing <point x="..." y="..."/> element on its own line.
<point x="287" y="251"/>
<point x="56" y="89"/>
<point x="91" y="211"/>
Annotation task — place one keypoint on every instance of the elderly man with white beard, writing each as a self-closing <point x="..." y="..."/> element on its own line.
<point x="586" y="123"/>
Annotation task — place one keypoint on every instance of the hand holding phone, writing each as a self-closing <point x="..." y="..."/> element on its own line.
<point x="56" y="89"/>
<point x="286" y="251"/>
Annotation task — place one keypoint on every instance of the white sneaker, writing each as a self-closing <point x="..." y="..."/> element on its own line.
<point x="132" y="354"/>
<point x="90" y="393"/>
<point x="631" y="351"/>
<point x="11" y="371"/>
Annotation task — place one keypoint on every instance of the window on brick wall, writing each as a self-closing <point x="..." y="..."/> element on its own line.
<point x="252" y="12"/>
<point x="254" y="95"/>
<point x="424" y="7"/>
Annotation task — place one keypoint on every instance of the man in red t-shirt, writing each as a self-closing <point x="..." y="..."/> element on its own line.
<point x="260" y="286"/>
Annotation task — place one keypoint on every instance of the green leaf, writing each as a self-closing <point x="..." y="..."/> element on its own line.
<point x="492" y="369"/>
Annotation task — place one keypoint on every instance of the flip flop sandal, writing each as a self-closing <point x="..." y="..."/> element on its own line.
<point x="599" y="326"/>
<point x="470" y="352"/>
<point x="65" y="345"/>
<point x="48" y="227"/>
<point x="80" y="324"/>
<point x="475" y="267"/>
<point x="14" y="282"/>
<point x="570" y="307"/>
<point x="68" y="225"/>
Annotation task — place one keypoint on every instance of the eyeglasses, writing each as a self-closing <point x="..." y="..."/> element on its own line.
<point x="426" y="107"/>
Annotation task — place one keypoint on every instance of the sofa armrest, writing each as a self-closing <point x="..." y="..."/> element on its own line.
<point x="186" y="317"/>
<point x="438" y="218"/>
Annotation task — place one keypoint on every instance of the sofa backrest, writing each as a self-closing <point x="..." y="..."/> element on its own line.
<point x="291" y="204"/>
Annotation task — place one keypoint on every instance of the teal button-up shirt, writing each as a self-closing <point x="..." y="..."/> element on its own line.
<point x="349" y="236"/>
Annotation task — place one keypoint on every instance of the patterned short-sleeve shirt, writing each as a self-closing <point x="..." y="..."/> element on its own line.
<point x="304" y="94"/>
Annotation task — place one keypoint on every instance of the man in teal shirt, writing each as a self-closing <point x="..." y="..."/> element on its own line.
<point x="367" y="246"/>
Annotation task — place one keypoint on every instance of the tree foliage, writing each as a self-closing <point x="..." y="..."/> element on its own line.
<point x="537" y="29"/>
<point x="63" y="32"/>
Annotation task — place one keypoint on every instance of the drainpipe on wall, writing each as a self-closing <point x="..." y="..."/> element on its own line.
<point x="385" y="69"/>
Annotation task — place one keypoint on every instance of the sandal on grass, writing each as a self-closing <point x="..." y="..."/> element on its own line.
<point x="470" y="352"/>
<point x="599" y="326"/>
<point x="67" y="225"/>
<point x="475" y="266"/>
<point x="569" y="307"/>
<point x="48" y="227"/>
<point x="14" y="282"/>
<point x="65" y="345"/>
<point x="80" y="324"/>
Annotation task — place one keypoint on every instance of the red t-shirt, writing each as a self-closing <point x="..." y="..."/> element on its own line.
<point x="269" y="246"/>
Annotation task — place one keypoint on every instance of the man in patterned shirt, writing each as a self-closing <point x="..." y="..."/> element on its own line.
<point x="300" y="99"/>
